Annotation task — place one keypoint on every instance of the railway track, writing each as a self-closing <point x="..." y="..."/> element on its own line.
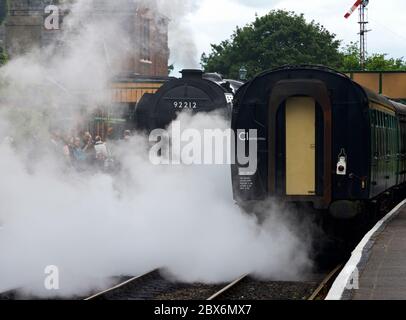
<point x="153" y="286"/>
<point x="247" y="288"/>
<point x="322" y="290"/>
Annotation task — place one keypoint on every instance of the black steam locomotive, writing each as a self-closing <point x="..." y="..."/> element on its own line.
<point x="194" y="92"/>
<point x="322" y="139"/>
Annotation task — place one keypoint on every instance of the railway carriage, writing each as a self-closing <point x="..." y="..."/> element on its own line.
<point x="322" y="139"/>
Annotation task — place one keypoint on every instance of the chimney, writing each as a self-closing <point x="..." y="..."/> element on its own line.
<point x="192" y="74"/>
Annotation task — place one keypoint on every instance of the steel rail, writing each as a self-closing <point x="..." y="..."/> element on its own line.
<point x="118" y="286"/>
<point x="316" y="293"/>
<point x="228" y="287"/>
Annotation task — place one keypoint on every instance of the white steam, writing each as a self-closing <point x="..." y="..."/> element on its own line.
<point x="93" y="226"/>
<point x="96" y="226"/>
<point x="182" y="46"/>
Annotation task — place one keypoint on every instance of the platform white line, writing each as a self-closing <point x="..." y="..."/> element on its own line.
<point x="340" y="284"/>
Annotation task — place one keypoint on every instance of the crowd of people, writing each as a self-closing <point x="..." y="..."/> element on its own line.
<point x="83" y="152"/>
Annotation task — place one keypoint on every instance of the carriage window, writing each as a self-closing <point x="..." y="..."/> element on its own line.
<point x="392" y="145"/>
<point x="388" y="135"/>
<point x="403" y="130"/>
<point x="379" y="130"/>
<point x="393" y="136"/>
<point x="383" y="137"/>
<point x="389" y="147"/>
<point x="373" y="118"/>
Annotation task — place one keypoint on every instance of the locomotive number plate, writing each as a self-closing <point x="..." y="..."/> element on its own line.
<point x="181" y="105"/>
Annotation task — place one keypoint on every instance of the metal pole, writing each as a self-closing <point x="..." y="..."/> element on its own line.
<point x="362" y="36"/>
<point x="362" y="33"/>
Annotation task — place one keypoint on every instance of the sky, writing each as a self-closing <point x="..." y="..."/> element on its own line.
<point x="215" y="20"/>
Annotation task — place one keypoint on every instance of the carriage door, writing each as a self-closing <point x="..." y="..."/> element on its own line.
<point x="300" y="146"/>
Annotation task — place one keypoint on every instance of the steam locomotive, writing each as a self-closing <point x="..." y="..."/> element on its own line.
<point x="322" y="139"/>
<point x="194" y="92"/>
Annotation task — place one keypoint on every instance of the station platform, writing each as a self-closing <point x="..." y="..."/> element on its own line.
<point x="377" y="268"/>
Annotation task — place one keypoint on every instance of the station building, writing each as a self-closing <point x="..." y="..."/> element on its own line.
<point x="25" y="29"/>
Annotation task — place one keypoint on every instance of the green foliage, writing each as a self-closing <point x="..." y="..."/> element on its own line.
<point x="3" y="10"/>
<point x="275" y="39"/>
<point x="282" y="37"/>
<point x="350" y="60"/>
<point x="3" y="15"/>
<point x="3" y="57"/>
<point x="375" y="62"/>
<point x="380" y="62"/>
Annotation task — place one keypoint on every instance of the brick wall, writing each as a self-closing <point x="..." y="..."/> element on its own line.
<point x="24" y="29"/>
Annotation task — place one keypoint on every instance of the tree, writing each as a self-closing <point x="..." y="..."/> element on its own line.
<point x="3" y="56"/>
<point x="3" y="15"/>
<point x="350" y="58"/>
<point x="375" y="62"/>
<point x="380" y="62"/>
<point x="278" y="38"/>
<point x="3" y="10"/>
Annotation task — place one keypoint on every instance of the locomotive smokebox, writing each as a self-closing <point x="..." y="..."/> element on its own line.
<point x="195" y="92"/>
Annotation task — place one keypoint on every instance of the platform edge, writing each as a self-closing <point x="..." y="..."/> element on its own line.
<point x="339" y="286"/>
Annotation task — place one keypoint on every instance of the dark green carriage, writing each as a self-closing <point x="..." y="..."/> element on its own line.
<point x="357" y="149"/>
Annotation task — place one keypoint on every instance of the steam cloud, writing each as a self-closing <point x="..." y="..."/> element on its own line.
<point x="94" y="226"/>
<point x="183" y="50"/>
